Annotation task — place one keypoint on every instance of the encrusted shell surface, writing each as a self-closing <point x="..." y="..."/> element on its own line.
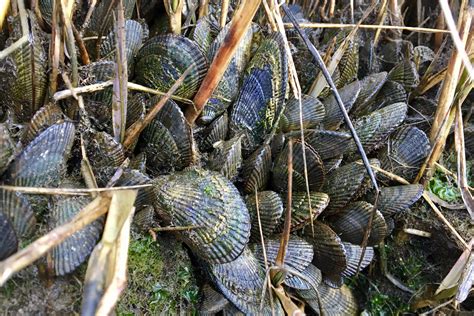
<point x="164" y="58"/>
<point x="8" y="239"/>
<point x="334" y="117"/>
<point x="18" y="210"/>
<point x="334" y="302"/>
<point x="312" y="112"/>
<point x="270" y="209"/>
<point x="206" y="199"/>
<point x="351" y="223"/>
<point x="73" y="251"/>
<point x="256" y="169"/>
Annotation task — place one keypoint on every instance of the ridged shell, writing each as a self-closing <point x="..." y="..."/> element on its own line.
<point x="350" y="224"/>
<point x="334" y="302"/>
<point x="241" y="281"/>
<point x="312" y="274"/>
<point x="73" y="251"/>
<point x="348" y="65"/>
<point x="212" y="301"/>
<point x="328" y="144"/>
<point x="334" y="117"/>
<point x="300" y="214"/>
<point x="104" y="152"/>
<point x="216" y="131"/>
<point x="8" y="239"/>
<point x="314" y="165"/>
<point x="270" y="208"/>
<point x="227" y="157"/>
<point x="353" y="254"/>
<point x="405" y="152"/>
<point x="405" y="73"/>
<point x="312" y="113"/>
<point x="31" y="60"/>
<point x="395" y="199"/>
<point x="43" y="118"/>
<point x="374" y="128"/>
<point x="146" y="219"/>
<point x="130" y="177"/>
<point x="43" y="161"/>
<point x="7" y="148"/>
<point x="204" y="33"/>
<point x="469" y="139"/>
<point x="207" y="199"/>
<point x="329" y="252"/>
<point x="228" y="87"/>
<point x="262" y="93"/>
<point x="18" y="210"/>
<point x="391" y="92"/>
<point x="369" y="87"/>
<point x="164" y="58"/>
<point x="422" y="54"/>
<point x="136" y="108"/>
<point x="168" y="140"/>
<point x="346" y="183"/>
<point x="256" y="169"/>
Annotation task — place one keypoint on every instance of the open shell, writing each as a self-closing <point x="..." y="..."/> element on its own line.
<point x="48" y="115"/>
<point x="216" y="131"/>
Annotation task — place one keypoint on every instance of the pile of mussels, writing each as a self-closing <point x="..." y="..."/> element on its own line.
<point x="242" y="139"/>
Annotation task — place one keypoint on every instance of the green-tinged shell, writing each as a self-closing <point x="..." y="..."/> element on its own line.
<point x="270" y="209"/>
<point x="353" y="254"/>
<point x="73" y="251"/>
<point x="212" y="301"/>
<point x="207" y="199"/>
<point x="369" y="87"/>
<point x="46" y="9"/>
<point x="256" y="169"/>
<point x="351" y="223"/>
<point x="43" y="162"/>
<point x="312" y="278"/>
<point x="347" y="183"/>
<point x="241" y="281"/>
<point x="145" y="219"/>
<point x="164" y="58"/>
<point x="8" y="239"/>
<point x="329" y="252"/>
<point x="328" y="144"/>
<point x="391" y="92"/>
<point x="204" y="33"/>
<point x="168" y="141"/>
<point x="312" y="112"/>
<point x="262" y="93"/>
<point x="229" y="86"/>
<point x="405" y="73"/>
<point x="314" y="166"/>
<point x="18" y="210"/>
<point x="43" y="118"/>
<point x="373" y="129"/>
<point x="7" y="147"/>
<point x="405" y="152"/>
<point x="396" y="199"/>
<point x="227" y="157"/>
<point x="300" y="210"/>
<point x="130" y="177"/>
<point x="334" y="302"/>
<point x="334" y="117"/>
<point x="214" y="132"/>
<point x="135" y="35"/>
<point x="298" y="254"/>
<point x="31" y="60"/>
<point x="348" y="65"/>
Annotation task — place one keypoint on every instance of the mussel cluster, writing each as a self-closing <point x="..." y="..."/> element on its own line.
<point x="234" y="195"/>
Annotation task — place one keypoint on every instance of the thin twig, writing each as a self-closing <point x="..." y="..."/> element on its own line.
<point x="68" y="191"/>
<point x="367" y="26"/>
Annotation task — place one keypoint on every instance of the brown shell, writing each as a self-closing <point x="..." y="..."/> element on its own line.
<point x="270" y="208"/>
<point x="146" y="219"/>
<point x="405" y="73"/>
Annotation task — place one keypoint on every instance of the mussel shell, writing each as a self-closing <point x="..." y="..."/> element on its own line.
<point x="422" y="54"/>
<point x="334" y="117"/>
<point x="300" y="208"/>
<point x="314" y="166"/>
<point x="8" y="239"/>
<point x="130" y="177"/>
<point x="164" y="58"/>
<point x="405" y="73"/>
<point x="345" y="184"/>
<point x="145" y="219"/>
<point x="391" y="92"/>
<point x="43" y="161"/>
<point x="209" y="200"/>
<point x="216" y="131"/>
<point x="241" y="281"/>
<point x="348" y="65"/>
<point x="312" y="112"/>
<point x="262" y="94"/>
<point x="43" y="118"/>
<point x="328" y="144"/>
<point x="227" y="157"/>
<point x="334" y="302"/>
<point x="312" y="279"/>
<point x="256" y="169"/>
<point x="469" y="139"/>
<point x="353" y="255"/>
<point x="18" y="210"/>
<point x="299" y="253"/>
<point x="329" y="252"/>
<point x="374" y="128"/>
<point x="369" y="87"/>
<point x="351" y="223"/>
<point x="396" y="199"/>
<point x="405" y="152"/>
<point x="204" y="33"/>
<point x="212" y="301"/>
<point x="73" y="251"/>
<point x="270" y="209"/>
<point x="7" y="147"/>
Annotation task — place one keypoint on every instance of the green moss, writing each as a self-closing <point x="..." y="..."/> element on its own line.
<point x="160" y="278"/>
